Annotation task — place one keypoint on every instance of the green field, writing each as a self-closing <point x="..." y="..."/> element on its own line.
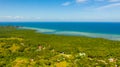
<point x="27" y="48"/>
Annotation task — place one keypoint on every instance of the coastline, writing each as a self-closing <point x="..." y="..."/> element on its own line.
<point x="74" y="33"/>
<point x="30" y="46"/>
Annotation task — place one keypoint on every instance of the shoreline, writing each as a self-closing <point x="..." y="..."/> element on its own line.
<point x="114" y="37"/>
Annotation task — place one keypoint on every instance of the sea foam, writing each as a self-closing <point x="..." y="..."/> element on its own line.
<point x="95" y="35"/>
<point x="39" y="29"/>
<point x="75" y="33"/>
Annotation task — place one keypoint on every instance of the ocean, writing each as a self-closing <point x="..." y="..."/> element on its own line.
<point x="107" y="30"/>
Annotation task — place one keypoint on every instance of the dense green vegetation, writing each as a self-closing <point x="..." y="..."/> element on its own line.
<point x="27" y="48"/>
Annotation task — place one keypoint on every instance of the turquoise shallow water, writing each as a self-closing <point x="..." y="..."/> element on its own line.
<point x="99" y="29"/>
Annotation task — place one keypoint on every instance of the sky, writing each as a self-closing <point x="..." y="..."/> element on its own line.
<point x="60" y="10"/>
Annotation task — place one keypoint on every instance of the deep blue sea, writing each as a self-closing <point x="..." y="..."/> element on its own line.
<point x="108" y="30"/>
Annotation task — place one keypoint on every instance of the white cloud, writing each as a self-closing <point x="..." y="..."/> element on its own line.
<point x="38" y="18"/>
<point x="66" y="4"/>
<point x="69" y="3"/>
<point x="12" y="17"/>
<point x="109" y="6"/>
<point x="100" y="0"/>
<point x="7" y="17"/>
<point x="114" y="0"/>
<point x="109" y="0"/>
<point x="80" y="1"/>
<point x="18" y="17"/>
